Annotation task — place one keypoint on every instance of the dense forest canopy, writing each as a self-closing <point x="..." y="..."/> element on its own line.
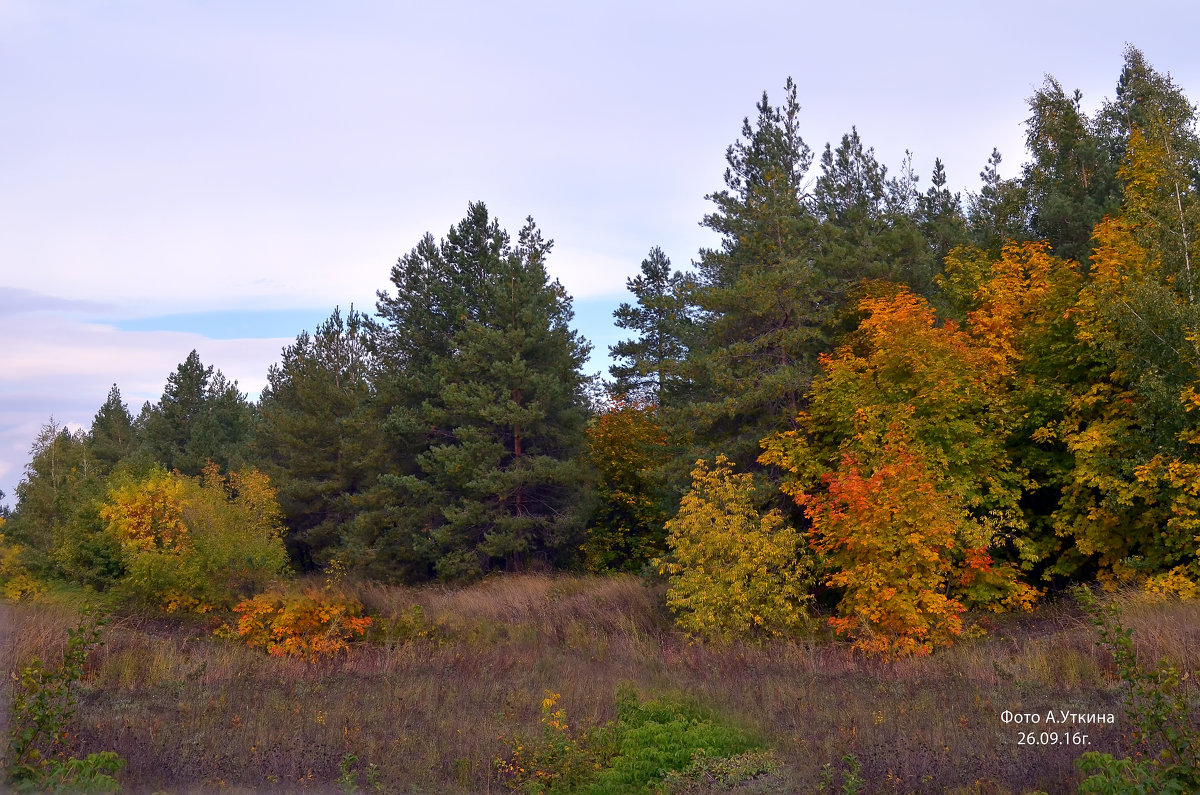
<point x="907" y="402"/>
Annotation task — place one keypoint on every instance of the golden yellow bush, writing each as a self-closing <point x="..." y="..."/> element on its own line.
<point x="196" y="544"/>
<point x="733" y="571"/>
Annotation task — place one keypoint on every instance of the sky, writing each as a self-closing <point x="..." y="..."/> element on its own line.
<point x="219" y="175"/>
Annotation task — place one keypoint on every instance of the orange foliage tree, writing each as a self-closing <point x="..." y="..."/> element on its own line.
<point x="888" y="537"/>
<point x="905" y="404"/>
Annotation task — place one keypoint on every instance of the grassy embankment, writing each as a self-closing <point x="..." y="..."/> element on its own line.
<point x="430" y="702"/>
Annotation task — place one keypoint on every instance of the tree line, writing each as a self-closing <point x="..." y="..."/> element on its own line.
<point x="911" y="403"/>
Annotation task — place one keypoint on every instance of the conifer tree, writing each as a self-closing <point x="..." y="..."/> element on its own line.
<point x="310" y="438"/>
<point x="648" y="368"/>
<point x="201" y="417"/>
<point x="940" y="216"/>
<point x="492" y="409"/>
<point x="762" y="300"/>
<point x="999" y="213"/>
<point x="111" y="437"/>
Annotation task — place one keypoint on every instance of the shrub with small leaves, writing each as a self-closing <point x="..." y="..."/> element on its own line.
<point x="560" y="760"/>
<point x="734" y="572"/>
<point x="309" y="623"/>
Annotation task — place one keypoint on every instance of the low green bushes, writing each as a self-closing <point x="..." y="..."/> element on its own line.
<point x="659" y="745"/>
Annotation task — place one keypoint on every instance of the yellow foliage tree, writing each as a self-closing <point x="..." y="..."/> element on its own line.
<point x="147" y="514"/>
<point x="733" y="571"/>
<point x="14" y="576"/>
<point x="196" y="543"/>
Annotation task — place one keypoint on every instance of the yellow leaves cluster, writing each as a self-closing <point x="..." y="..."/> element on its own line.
<point x="733" y="571"/>
<point x="1178" y="582"/>
<point x="195" y="544"/>
<point x="625" y="445"/>
<point x="1142" y="172"/>
<point x="309" y="624"/>
<point x="1016" y="301"/>
<point x="147" y="514"/>
<point x="18" y="582"/>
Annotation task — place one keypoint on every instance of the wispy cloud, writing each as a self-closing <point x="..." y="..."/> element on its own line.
<point x="17" y="300"/>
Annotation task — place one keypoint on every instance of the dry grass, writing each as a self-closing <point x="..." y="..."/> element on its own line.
<point x="430" y="702"/>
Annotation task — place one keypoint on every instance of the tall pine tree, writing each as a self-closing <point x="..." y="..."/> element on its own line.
<point x="490" y="403"/>
<point x="201" y="417"/>
<point x="311" y="438"/>
<point x="763" y="301"/>
<point x="648" y="368"/>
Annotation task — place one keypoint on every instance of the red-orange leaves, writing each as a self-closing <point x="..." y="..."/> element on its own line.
<point x="935" y="383"/>
<point x="889" y="537"/>
<point x="902" y="465"/>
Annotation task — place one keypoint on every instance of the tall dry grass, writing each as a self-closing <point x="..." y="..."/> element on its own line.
<point x="434" y="700"/>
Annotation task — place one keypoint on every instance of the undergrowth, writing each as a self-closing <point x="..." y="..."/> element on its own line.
<point x="1156" y="702"/>
<point x="661" y="745"/>
<point x="43" y="706"/>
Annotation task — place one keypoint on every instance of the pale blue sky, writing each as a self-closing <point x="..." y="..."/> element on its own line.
<point x="219" y="175"/>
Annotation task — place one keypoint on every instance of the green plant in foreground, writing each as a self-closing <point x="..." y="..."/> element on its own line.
<point x="649" y="742"/>
<point x="1157" y="705"/>
<point x="347" y="780"/>
<point x="43" y="705"/>
<point x="852" y="781"/>
<point x="558" y="761"/>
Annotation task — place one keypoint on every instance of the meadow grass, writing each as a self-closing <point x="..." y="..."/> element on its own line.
<point x="451" y="675"/>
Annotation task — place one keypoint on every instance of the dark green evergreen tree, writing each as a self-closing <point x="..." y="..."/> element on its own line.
<point x="870" y="227"/>
<point x="310" y="438"/>
<point x="999" y="213"/>
<point x="649" y="368"/>
<point x="436" y="288"/>
<point x="489" y="410"/>
<point x="201" y="417"/>
<point x="111" y="437"/>
<point x="940" y="215"/>
<point x="763" y="303"/>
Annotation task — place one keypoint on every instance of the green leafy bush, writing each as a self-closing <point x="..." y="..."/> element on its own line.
<point x="649" y="741"/>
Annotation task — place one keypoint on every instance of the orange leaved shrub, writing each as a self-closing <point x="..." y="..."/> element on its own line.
<point x="309" y="624"/>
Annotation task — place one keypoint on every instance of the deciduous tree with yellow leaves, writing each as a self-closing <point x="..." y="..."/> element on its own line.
<point x="734" y="572"/>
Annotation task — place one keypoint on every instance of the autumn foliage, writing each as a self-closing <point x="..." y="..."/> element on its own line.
<point x="196" y="544"/>
<point x="889" y="536"/>
<point x="309" y="623"/>
<point x="733" y="570"/>
<point x="625" y="445"/>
